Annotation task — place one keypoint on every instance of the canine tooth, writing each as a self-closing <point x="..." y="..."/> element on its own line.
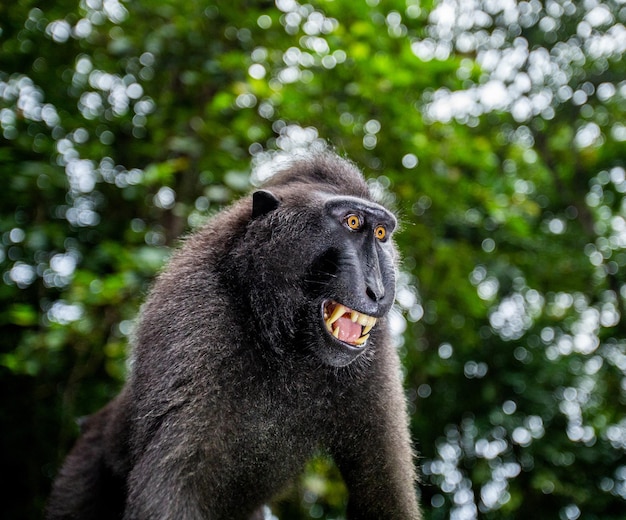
<point x="370" y="323"/>
<point x="339" y="311"/>
<point x="336" y="332"/>
<point x="362" y="339"/>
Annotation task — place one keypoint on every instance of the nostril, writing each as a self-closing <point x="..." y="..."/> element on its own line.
<point x="375" y="295"/>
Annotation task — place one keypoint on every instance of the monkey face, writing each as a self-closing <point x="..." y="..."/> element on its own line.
<point x="354" y="278"/>
<point x="327" y="262"/>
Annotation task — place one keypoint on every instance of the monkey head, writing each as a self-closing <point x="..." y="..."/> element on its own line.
<point x="321" y="274"/>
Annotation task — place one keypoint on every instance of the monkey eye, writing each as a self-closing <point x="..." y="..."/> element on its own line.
<point x="353" y="222"/>
<point x="380" y="232"/>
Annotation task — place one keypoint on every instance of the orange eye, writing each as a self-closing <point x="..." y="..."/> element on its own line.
<point x="380" y="232"/>
<point x="353" y="222"/>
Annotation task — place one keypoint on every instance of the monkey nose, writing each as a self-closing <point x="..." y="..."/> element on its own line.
<point x="374" y="288"/>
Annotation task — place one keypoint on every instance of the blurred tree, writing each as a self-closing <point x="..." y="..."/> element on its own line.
<point x="495" y="128"/>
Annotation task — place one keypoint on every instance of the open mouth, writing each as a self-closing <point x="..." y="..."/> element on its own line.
<point x="347" y="325"/>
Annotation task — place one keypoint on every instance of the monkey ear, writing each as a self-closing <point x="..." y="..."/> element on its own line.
<point x="263" y="202"/>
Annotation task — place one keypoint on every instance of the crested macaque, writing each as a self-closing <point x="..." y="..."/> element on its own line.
<point x="265" y="340"/>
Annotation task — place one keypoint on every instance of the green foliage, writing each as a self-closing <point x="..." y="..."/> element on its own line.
<point x="495" y="129"/>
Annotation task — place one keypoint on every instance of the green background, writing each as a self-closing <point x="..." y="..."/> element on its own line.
<point x="496" y="130"/>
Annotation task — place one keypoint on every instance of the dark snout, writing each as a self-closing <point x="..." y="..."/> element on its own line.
<point x="374" y="286"/>
<point x="378" y="280"/>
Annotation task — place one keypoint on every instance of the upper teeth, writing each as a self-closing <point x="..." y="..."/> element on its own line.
<point x="367" y="322"/>
<point x="337" y="313"/>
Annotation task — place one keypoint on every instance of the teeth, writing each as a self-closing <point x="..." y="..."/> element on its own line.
<point x="367" y="322"/>
<point x="363" y="320"/>
<point x="362" y="339"/>
<point x="368" y="326"/>
<point x="339" y="311"/>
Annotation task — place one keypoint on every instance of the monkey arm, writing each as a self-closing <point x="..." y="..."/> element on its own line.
<point x="91" y="482"/>
<point x="157" y="491"/>
<point x="375" y="457"/>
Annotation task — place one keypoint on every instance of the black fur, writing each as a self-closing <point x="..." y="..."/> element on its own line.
<point x="235" y="381"/>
